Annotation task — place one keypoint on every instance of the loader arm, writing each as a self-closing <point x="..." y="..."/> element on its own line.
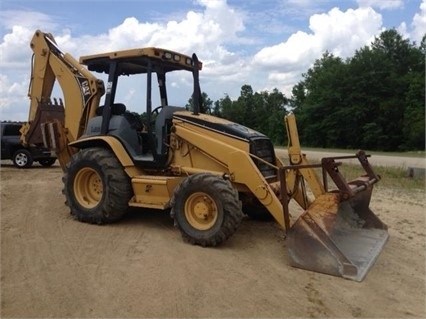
<point x="237" y="164"/>
<point x="296" y="157"/>
<point x="56" y="124"/>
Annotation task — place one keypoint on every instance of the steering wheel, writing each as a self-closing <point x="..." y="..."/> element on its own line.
<point x="154" y="114"/>
<point x="156" y="110"/>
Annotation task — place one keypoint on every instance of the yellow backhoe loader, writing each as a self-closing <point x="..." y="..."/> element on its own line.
<point x="206" y="170"/>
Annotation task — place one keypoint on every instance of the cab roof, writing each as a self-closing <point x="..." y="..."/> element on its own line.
<point x="136" y="61"/>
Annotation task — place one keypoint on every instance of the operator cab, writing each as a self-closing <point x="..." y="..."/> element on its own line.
<point x="146" y="142"/>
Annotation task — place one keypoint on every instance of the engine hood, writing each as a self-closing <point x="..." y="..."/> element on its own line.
<point x="219" y="125"/>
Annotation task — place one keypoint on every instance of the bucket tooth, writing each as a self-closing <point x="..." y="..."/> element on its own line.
<point x="340" y="238"/>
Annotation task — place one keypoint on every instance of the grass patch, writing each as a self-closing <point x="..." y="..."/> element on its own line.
<point x="419" y="154"/>
<point x="392" y="177"/>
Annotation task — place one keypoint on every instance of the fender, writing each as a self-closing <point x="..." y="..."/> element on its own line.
<point x="109" y="141"/>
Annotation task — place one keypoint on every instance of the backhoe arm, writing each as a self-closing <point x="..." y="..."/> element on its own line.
<point x="55" y="124"/>
<point x="42" y="76"/>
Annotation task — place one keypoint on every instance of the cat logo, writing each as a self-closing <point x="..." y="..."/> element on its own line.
<point x="85" y="88"/>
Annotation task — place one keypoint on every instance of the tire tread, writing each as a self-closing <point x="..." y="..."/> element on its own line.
<point x="117" y="187"/>
<point x="231" y="206"/>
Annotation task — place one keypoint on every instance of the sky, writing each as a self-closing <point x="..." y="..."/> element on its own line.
<point x="264" y="43"/>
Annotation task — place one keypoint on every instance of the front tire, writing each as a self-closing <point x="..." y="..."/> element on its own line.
<point x="96" y="188"/>
<point x="206" y="209"/>
<point x="254" y="209"/>
<point x="22" y="158"/>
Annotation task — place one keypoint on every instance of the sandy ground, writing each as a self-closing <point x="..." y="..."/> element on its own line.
<point x="54" y="266"/>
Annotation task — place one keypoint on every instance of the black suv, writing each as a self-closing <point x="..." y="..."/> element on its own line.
<point x="22" y="157"/>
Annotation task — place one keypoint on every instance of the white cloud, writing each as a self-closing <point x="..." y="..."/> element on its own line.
<point x="15" y="48"/>
<point x="419" y="23"/>
<point x="288" y="55"/>
<point x="13" y="96"/>
<point x="214" y="32"/>
<point x="381" y="4"/>
<point x="131" y="31"/>
<point x="402" y="29"/>
<point x="206" y="32"/>
<point x="338" y="32"/>
<point x="341" y="33"/>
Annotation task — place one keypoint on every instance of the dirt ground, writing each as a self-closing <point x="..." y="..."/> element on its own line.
<point x="54" y="266"/>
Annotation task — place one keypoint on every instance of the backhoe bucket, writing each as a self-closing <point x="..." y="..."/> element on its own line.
<point x="337" y="236"/>
<point x="46" y="112"/>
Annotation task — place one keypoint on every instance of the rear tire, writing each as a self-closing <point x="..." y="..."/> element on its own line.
<point x="206" y="209"/>
<point x="22" y="158"/>
<point x="96" y="188"/>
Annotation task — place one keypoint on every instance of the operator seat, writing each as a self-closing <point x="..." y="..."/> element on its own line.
<point x="120" y="109"/>
<point x="116" y="109"/>
<point x="123" y="125"/>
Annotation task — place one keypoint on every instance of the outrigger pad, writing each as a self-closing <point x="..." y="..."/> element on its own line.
<point x="340" y="238"/>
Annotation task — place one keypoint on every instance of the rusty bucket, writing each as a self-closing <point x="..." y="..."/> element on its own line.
<point x="337" y="237"/>
<point x="46" y="112"/>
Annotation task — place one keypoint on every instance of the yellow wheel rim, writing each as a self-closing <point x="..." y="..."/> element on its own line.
<point x="88" y="187"/>
<point x="201" y="211"/>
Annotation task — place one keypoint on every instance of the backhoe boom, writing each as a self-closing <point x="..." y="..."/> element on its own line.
<point x="81" y="90"/>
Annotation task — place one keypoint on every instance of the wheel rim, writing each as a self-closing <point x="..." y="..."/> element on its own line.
<point x="21" y="159"/>
<point x="201" y="211"/>
<point x="88" y="187"/>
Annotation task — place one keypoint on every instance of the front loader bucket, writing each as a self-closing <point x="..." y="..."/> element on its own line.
<point x="337" y="237"/>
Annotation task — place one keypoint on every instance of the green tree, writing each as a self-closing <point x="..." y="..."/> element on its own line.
<point x="374" y="100"/>
<point x="319" y="100"/>
<point x="260" y="111"/>
<point x="246" y="105"/>
<point x="414" y="115"/>
<point x="387" y="72"/>
<point x="272" y="115"/>
<point x="231" y="110"/>
<point x="206" y="104"/>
